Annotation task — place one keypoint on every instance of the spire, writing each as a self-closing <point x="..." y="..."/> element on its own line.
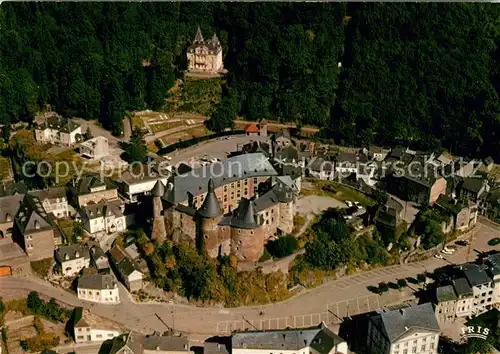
<point x="158" y="190"/>
<point x="245" y="216"/>
<point x="199" y="37"/>
<point x="215" y="40"/>
<point x="210" y="207"/>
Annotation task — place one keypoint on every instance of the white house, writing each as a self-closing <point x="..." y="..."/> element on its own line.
<point x="482" y="287"/>
<point x="103" y="217"/>
<point x="95" y="148"/>
<point x="405" y="331"/>
<point x="134" y="186"/>
<point x="54" y="200"/>
<point x="58" y="130"/>
<point x="90" y="328"/>
<point x="100" y="288"/>
<point x="493" y="262"/>
<point x="313" y="340"/>
<point x="72" y="259"/>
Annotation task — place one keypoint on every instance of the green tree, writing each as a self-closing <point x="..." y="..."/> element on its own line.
<point x="283" y="246"/>
<point x="136" y="150"/>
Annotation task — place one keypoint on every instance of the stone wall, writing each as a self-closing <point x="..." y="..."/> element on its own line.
<point x="287" y="212"/>
<point x="247" y="245"/>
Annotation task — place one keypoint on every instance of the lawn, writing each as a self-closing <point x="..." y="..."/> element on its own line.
<point x="342" y="192"/>
<point x="165" y="126"/>
<point x="200" y="96"/>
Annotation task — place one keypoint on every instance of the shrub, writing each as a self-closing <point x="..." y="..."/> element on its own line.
<point x="494" y="241"/>
<point x="283" y="246"/>
<point x="402" y="283"/>
<point x="421" y="278"/>
<point x="265" y="256"/>
<point x="42" y="267"/>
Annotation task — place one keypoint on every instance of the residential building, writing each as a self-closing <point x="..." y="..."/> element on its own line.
<point x="58" y="130"/>
<point x="389" y="216"/>
<point x="463" y="211"/>
<point x="98" y="259"/>
<point x="493" y="263"/>
<point x="491" y="205"/>
<point x="281" y="139"/>
<point x="474" y="188"/>
<point x="312" y="340"/>
<point x="322" y="168"/>
<point x="100" y="288"/>
<point x="91" y="328"/>
<point x="92" y="189"/>
<point x="54" y="200"/>
<point x="34" y="230"/>
<point x="72" y="259"/>
<point x="446" y="304"/>
<point x="126" y="269"/>
<point x="95" y="148"/>
<point x="376" y="153"/>
<point x="482" y="287"/>
<point x="404" y="331"/>
<point x="103" y="217"/>
<point x="12" y="188"/>
<point x="133" y="186"/>
<point x="465" y="297"/>
<point x="205" y="56"/>
<point x="8" y="210"/>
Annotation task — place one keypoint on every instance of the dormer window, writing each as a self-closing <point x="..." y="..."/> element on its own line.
<point x="77" y="254"/>
<point x="66" y="257"/>
<point x="8" y="218"/>
<point x="37" y="225"/>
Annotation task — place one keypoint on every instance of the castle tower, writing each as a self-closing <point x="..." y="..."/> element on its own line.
<point x="158" y="232"/>
<point x="209" y="216"/>
<point x="247" y="233"/>
<point x="285" y="198"/>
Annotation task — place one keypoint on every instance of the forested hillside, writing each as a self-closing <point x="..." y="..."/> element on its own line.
<point x="423" y="74"/>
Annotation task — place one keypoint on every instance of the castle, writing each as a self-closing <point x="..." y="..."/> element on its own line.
<point x="205" y="56"/>
<point x="220" y="210"/>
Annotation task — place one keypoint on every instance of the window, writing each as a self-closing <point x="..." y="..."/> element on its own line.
<point x="414" y="350"/>
<point x="79" y="329"/>
<point x="110" y="335"/>
<point x="405" y="351"/>
<point x="255" y="181"/>
<point x="423" y="348"/>
<point x="79" y="337"/>
<point x="99" y="336"/>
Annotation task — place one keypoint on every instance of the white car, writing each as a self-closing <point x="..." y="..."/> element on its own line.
<point x="349" y="203"/>
<point x="446" y="252"/>
<point x="439" y="256"/>
<point x="451" y="250"/>
<point x="358" y="205"/>
<point x="168" y="158"/>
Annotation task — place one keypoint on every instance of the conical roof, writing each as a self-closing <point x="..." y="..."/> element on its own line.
<point x="199" y="37"/>
<point x="158" y="190"/>
<point x="245" y="216"/>
<point x="210" y="207"/>
<point x="215" y="40"/>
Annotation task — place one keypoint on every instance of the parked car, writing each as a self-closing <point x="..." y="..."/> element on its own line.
<point x="461" y="243"/>
<point x="349" y="203"/>
<point x="358" y="205"/>
<point x="446" y="252"/>
<point x="440" y="256"/>
<point x="449" y="249"/>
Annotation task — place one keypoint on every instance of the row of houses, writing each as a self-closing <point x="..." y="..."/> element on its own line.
<point x="472" y="290"/>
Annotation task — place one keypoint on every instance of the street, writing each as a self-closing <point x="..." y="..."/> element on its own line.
<point x="336" y="298"/>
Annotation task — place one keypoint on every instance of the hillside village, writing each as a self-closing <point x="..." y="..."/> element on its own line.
<point x="182" y="233"/>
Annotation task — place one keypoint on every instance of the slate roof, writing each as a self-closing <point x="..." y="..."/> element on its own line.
<point x="166" y="343"/>
<point x="131" y="340"/>
<point x="475" y="274"/>
<point x="84" y="318"/>
<point x="31" y="216"/>
<point x="97" y="282"/>
<point x="124" y="264"/>
<point x="103" y="209"/>
<point x="12" y="188"/>
<point x="462" y="288"/>
<point x="72" y="251"/>
<point x="63" y="125"/>
<point x="397" y="323"/>
<point x="320" y="338"/>
<point x="257" y="147"/>
<point x="320" y="164"/>
<point x="9" y="207"/>
<point x="85" y="184"/>
<point x="215" y="348"/>
<point x="473" y="185"/>
<point x="195" y="182"/>
<point x="212" y="44"/>
<point x="454" y="206"/>
<point x="493" y="262"/>
<point x="279" y="193"/>
<point x="210" y="207"/>
<point x="445" y="293"/>
<point x="287" y="154"/>
<point x="283" y="133"/>
<point x="51" y="194"/>
<point x="158" y="190"/>
<point x="245" y="216"/>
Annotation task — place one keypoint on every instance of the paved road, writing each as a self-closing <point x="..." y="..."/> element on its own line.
<point x="203" y="322"/>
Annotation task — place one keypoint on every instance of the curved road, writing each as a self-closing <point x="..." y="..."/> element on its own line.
<point x="204" y="322"/>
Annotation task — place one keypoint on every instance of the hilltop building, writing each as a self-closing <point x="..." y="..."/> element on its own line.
<point x="58" y="130"/>
<point x="205" y="56"/>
